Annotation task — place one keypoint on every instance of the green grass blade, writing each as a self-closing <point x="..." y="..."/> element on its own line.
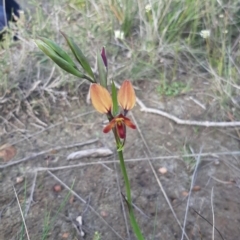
<point x="48" y="223"/>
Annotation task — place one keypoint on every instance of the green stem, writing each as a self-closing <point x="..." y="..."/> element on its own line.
<point x="133" y="221"/>
<point x="125" y="176"/>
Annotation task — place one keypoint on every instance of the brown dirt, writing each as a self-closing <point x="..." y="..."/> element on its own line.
<point x="100" y="185"/>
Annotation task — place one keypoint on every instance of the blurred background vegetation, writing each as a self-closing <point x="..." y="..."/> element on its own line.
<point x="172" y="43"/>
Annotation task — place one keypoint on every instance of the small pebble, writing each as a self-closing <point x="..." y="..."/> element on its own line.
<point x="72" y="199"/>
<point x="196" y="188"/>
<point x="216" y="162"/>
<point x="162" y="170"/>
<point x="79" y="220"/>
<point x="185" y="193"/>
<point x="19" y="179"/>
<point x="57" y="188"/>
<point x="104" y="214"/>
<point x="65" y="235"/>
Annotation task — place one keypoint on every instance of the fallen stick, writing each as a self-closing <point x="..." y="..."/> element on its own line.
<point x="185" y="122"/>
<point x="181" y="121"/>
<point x="95" y="152"/>
<point x="34" y="155"/>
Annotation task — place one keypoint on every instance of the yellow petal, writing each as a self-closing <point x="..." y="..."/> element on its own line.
<point x="126" y="95"/>
<point x="101" y="98"/>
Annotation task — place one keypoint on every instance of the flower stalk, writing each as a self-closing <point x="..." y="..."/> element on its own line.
<point x="102" y="101"/>
<point x="133" y="221"/>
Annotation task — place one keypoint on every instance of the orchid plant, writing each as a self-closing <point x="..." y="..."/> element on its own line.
<point x="102" y="101"/>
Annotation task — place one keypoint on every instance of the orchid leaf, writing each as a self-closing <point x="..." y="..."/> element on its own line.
<point x="58" y="50"/>
<point x="114" y="99"/>
<point x="79" y="56"/>
<point x="59" y="60"/>
<point x="102" y="71"/>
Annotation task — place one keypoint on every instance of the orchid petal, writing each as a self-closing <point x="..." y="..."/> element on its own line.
<point x="121" y="129"/>
<point x="129" y="123"/>
<point x="126" y="95"/>
<point x="101" y="98"/>
<point x="120" y="122"/>
<point x="110" y="126"/>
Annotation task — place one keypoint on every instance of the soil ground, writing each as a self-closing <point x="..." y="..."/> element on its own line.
<point x="99" y="185"/>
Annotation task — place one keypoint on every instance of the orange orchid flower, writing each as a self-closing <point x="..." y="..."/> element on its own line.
<point x="126" y="96"/>
<point x="102" y="102"/>
<point x="101" y="98"/>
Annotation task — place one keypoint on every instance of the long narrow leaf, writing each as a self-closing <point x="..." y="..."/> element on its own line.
<point x="102" y="71"/>
<point x="58" y="60"/>
<point x="58" y="50"/>
<point x="114" y="99"/>
<point x="79" y="55"/>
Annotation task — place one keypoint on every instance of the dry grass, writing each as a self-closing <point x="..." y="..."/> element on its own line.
<point x="162" y="43"/>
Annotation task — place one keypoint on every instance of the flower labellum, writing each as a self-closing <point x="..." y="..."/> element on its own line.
<point x="120" y="122"/>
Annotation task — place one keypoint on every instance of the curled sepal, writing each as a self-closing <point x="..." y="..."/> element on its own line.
<point x="62" y="63"/>
<point x="79" y="56"/>
<point x="102" y="71"/>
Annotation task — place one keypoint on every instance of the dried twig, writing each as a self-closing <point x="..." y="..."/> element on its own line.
<point x="47" y="128"/>
<point x="21" y="213"/>
<point x="30" y="199"/>
<point x="32" y="89"/>
<point x="181" y="121"/>
<point x="83" y="201"/>
<point x="34" y="155"/>
<point x="4" y="209"/>
<point x="186" y="122"/>
<point x="190" y="192"/>
<point x="95" y="152"/>
<point x="220" y="181"/>
<point x="148" y="154"/>
<point x="50" y="77"/>
<point x="32" y="115"/>
<point x="137" y="160"/>
<point x="213" y="225"/>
